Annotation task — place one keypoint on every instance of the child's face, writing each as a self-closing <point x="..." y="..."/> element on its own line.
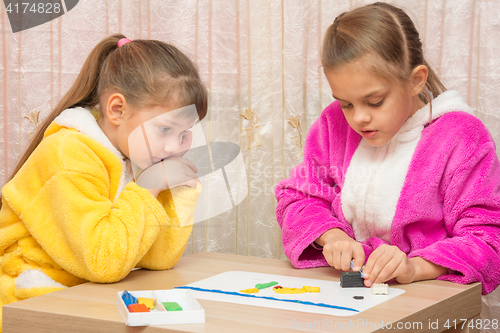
<point x="373" y="107"/>
<point x="156" y="133"/>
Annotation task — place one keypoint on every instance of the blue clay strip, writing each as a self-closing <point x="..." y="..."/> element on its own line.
<point x="267" y="297"/>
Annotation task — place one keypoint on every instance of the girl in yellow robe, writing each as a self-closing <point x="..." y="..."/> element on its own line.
<point x="72" y="212"/>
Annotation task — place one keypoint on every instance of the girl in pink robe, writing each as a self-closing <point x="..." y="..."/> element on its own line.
<point x="398" y="175"/>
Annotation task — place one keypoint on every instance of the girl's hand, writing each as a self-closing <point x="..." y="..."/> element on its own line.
<point x="179" y="171"/>
<point x="169" y="173"/>
<point x="339" y="249"/>
<point x="388" y="262"/>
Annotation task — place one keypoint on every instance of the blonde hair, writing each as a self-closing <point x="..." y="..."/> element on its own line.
<point x="146" y="72"/>
<point x="384" y="32"/>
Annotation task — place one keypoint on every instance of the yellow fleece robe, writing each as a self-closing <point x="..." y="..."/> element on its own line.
<point x="63" y="216"/>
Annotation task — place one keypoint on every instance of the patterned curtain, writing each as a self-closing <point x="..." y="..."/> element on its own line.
<point x="260" y="62"/>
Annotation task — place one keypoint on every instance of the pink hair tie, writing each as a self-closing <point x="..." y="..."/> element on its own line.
<point x="123" y="41"/>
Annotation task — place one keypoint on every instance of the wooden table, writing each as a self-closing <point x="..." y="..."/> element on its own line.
<point x="91" y="307"/>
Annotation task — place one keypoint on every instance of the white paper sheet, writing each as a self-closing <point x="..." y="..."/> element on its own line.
<point x="330" y="293"/>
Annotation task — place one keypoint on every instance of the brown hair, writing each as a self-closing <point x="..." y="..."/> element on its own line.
<point x="146" y="72"/>
<point x="385" y="32"/>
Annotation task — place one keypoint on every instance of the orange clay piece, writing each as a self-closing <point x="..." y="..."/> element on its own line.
<point x="305" y="289"/>
<point x="137" y="308"/>
<point x="250" y="291"/>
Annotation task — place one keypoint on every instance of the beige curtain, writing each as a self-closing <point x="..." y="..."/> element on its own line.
<point x="260" y="62"/>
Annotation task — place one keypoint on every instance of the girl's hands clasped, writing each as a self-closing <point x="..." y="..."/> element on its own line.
<point x="169" y="173"/>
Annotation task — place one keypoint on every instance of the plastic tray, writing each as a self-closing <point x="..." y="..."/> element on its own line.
<point x="192" y="312"/>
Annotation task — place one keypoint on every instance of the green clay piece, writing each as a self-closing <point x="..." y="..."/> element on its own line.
<point x="172" y="306"/>
<point x="265" y="285"/>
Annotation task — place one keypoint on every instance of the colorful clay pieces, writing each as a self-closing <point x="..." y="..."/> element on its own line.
<point x="279" y="289"/>
<point x="159" y="307"/>
<point x="134" y="304"/>
<point x="172" y="306"/>
<point x="258" y="287"/>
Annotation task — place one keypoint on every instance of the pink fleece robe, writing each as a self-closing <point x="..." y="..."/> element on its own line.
<point x="448" y="210"/>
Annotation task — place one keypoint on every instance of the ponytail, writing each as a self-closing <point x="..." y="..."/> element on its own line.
<point x="82" y="93"/>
